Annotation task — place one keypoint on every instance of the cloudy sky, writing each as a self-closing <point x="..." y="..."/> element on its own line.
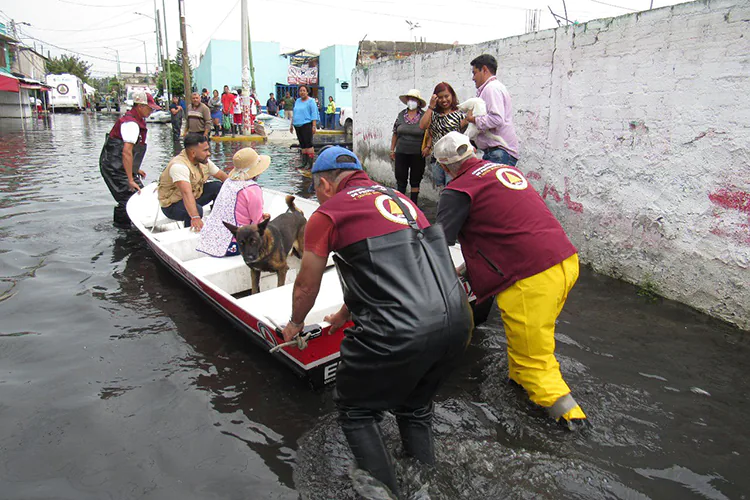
<point x="96" y="29"/>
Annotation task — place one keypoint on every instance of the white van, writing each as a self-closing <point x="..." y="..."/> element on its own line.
<point x="67" y="92"/>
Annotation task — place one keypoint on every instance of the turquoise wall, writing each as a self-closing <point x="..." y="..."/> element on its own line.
<point x="222" y="65"/>
<point x="336" y="65"/>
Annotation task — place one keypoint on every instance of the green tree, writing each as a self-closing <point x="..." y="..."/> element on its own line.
<point x="177" y="85"/>
<point x="69" y="64"/>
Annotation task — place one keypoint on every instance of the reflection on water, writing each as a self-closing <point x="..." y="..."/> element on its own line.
<point x="117" y="378"/>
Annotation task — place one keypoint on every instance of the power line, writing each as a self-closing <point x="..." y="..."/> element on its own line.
<point x="103" y="6"/>
<point x="79" y="53"/>
<point x="219" y="25"/>
<point x="616" y="6"/>
<point x="399" y="16"/>
<point x="92" y="29"/>
<point x="108" y="39"/>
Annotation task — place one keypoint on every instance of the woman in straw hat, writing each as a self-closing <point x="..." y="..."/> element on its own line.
<point x="406" y="144"/>
<point x="240" y="202"/>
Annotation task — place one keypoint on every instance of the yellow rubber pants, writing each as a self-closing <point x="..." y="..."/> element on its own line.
<point x="529" y="309"/>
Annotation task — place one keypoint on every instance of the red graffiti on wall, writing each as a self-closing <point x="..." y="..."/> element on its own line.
<point x="550" y="190"/>
<point x="734" y="200"/>
<point x="369" y="134"/>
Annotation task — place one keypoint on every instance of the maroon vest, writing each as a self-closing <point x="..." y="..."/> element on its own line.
<point x="509" y="234"/>
<point x="361" y="209"/>
<point x="130" y="116"/>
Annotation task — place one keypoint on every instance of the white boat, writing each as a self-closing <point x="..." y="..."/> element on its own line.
<point x="160" y="116"/>
<point x="225" y="283"/>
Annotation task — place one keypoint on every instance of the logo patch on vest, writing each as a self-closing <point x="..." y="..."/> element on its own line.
<point x="512" y="179"/>
<point x="391" y="211"/>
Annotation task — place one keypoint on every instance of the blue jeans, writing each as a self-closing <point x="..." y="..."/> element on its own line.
<point x="438" y="175"/>
<point x="330" y="121"/>
<point x="177" y="211"/>
<point x="501" y="156"/>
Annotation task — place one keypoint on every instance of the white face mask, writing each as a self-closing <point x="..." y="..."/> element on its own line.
<point x="411" y="104"/>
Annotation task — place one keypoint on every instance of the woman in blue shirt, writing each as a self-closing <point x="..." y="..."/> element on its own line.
<point x="303" y="123"/>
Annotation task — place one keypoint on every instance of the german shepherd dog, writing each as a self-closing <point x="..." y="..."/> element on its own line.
<point x="265" y="246"/>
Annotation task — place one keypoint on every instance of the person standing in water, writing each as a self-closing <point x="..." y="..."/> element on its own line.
<point x="123" y="152"/>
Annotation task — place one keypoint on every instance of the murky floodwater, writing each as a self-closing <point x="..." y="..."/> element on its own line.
<point x="118" y="382"/>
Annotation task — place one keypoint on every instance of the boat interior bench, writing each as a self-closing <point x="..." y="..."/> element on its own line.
<point x="276" y="303"/>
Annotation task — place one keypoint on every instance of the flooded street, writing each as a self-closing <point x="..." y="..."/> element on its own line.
<point x="118" y="382"/>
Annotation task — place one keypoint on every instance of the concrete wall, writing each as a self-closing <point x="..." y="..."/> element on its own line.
<point x="635" y="130"/>
<point x="15" y="104"/>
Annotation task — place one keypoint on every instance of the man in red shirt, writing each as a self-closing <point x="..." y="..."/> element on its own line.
<point x="515" y="249"/>
<point x="411" y="317"/>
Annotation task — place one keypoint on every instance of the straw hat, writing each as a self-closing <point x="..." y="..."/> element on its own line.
<point x="414" y="94"/>
<point x="248" y="164"/>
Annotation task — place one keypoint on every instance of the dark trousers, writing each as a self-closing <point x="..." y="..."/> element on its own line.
<point x="177" y="211"/>
<point x="176" y="126"/>
<point x="330" y="121"/>
<point x="409" y="167"/>
<point x="363" y="434"/>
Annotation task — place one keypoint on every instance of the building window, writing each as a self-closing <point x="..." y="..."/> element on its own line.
<point x="3" y="60"/>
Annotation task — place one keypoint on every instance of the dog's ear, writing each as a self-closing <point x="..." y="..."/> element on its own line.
<point x="262" y="225"/>
<point x="232" y="228"/>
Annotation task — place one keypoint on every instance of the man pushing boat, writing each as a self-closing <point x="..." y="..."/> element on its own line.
<point x="411" y="317"/>
<point x="123" y="152"/>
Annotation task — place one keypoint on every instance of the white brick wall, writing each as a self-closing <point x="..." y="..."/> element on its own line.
<point x="635" y="129"/>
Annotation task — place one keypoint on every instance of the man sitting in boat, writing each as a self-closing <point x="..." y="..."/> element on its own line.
<point x="239" y="202"/>
<point x="411" y="316"/>
<point x="183" y="190"/>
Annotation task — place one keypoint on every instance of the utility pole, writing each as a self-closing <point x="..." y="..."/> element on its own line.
<point x="166" y="52"/>
<point x="250" y="47"/>
<point x="185" y="63"/>
<point x="145" y="53"/>
<point x="247" y="124"/>
<point x="164" y="65"/>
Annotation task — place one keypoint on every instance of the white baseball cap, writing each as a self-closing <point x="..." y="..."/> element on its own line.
<point x="142" y="97"/>
<point x="452" y="148"/>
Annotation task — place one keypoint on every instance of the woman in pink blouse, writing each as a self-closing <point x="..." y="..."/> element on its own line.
<point x="240" y="202"/>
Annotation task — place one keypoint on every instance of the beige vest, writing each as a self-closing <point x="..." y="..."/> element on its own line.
<point x="169" y="193"/>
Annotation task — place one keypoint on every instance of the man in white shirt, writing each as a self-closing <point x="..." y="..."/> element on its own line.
<point x="123" y="152"/>
<point x="183" y="190"/>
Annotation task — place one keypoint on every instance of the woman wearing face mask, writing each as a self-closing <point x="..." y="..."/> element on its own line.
<point x="406" y="144"/>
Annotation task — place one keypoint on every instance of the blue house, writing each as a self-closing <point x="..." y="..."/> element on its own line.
<point x="336" y="65"/>
<point x="221" y="65"/>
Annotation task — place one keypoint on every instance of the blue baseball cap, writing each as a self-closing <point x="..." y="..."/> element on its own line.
<point x="330" y="159"/>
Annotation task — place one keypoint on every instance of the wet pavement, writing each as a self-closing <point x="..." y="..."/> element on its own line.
<point x="116" y="381"/>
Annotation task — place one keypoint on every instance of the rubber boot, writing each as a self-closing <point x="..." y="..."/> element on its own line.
<point x="310" y="161"/>
<point x="370" y="453"/>
<point x="414" y="196"/>
<point x="401" y="188"/>
<point x="121" y="218"/>
<point x="415" y="427"/>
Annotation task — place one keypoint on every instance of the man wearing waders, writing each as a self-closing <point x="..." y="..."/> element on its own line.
<point x="122" y="154"/>
<point x="515" y="249"/>
<point x="408" y="316"/>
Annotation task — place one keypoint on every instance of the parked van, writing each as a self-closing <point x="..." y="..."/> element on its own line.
<point x="67" y="93"/>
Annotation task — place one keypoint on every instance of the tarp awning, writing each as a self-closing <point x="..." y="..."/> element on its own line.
<point x="9" y="83"/>
<point x="28" y="83"/>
